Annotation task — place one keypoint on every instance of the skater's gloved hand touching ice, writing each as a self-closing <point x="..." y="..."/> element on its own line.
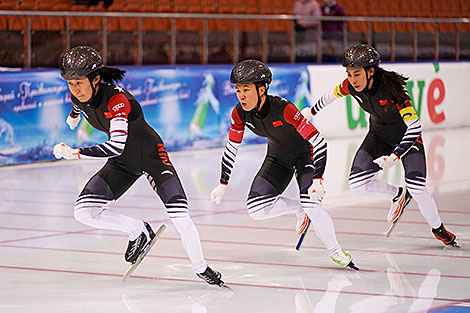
<point x="316" y="191"/>
<point x="61" y="150"/>
<point x="73" y="122"/>
<point x="387" y="161"/>
<point x="218" y="193"/>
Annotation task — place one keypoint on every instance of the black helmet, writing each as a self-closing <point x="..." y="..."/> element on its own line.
<point x="251" y="71"/>
<point x="80" y="61"/>
<point x="360" y="56"/>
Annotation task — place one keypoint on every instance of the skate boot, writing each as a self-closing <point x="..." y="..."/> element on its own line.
<point x="302" y="224"/>
<point x="398" y="204"/>
<point x="344" y="259"/>
<point x="211" y="277"/>
<point x="135" y="247"/>
<point x="445" y="236"/>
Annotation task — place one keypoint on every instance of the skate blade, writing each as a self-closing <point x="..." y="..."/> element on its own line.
<point x="302" y="236"/>
<point x="454" y="245"/>
<point x="224" y="286"/>
<point x="141" y="257"/>
<point x="390" y="229"/>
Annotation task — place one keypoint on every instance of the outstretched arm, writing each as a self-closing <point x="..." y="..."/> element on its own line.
<point x="237" y="129"/>
<point x="119" y="107"/>
<point x="329" y="97"/>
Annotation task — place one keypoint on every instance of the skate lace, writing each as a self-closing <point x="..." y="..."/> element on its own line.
<point x="135" y="246"/>
<point x="209" y="276"/>
<point x="444" y="234"/>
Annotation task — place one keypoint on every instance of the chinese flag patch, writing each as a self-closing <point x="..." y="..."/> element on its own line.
<point x="277" y="123"/>
<point x="108" y="114"/>
<point x="383" y="102"/>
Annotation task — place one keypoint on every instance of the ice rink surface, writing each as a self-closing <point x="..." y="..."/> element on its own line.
<point x="51" y="263"/>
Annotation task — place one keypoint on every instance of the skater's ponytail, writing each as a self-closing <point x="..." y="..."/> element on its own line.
<point x="394" y="85"/>
<point x="108" y="75"/>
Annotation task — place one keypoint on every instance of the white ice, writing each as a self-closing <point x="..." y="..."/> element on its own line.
<point x="51" y="263"/>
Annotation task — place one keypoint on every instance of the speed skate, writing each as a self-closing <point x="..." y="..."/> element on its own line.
<point x="141" y="257"/>
<point x="399" y="204"/>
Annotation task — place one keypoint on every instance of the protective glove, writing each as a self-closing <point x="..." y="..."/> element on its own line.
<point x="73" y="122"/>
<point x="316" y="191"/>
<point x="387" y="161"/>
<point x="218" y="193"/>
<point x="307" y="113"/>
<point x="61" y="150"/>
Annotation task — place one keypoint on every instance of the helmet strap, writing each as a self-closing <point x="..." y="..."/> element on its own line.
<point x="258" y="104"/>
<point x="94" y="89"/>
<point x="366" y="69"/>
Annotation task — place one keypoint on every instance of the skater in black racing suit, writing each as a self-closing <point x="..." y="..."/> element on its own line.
<point x="133" y="149"/>
<point x="394" y="134"/>
<point x="294" y="146"/>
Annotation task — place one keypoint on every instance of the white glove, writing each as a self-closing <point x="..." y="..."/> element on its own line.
<point x="387" y="161"/>
<point x="61" y="150"/>
<point x="73" y="122"/>
<point x="218" y="193"/>
<point x="307" y="113"/>
<point x="316" y="191"/>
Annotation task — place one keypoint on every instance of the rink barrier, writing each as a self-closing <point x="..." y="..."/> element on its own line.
<point x="190" y="106"/>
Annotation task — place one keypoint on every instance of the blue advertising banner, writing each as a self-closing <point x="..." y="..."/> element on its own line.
<point x="189" y="106"/>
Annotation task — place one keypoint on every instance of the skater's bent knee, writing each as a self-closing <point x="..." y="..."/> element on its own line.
<point x="357" y="188"/>
<point x="257" y="215"/>
<point x="84" y="215"/>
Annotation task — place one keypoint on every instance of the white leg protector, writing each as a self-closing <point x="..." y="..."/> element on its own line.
<point x="89" y="211"/>
<point x="322" y="223"/>
<point x="264" y="207"/>
<point x="427" y="206"/>
<point x="191" y="242"/>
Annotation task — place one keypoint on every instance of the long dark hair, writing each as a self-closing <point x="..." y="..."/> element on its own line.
<point x="108" y="75"/>
<point x="394" y="85"/>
